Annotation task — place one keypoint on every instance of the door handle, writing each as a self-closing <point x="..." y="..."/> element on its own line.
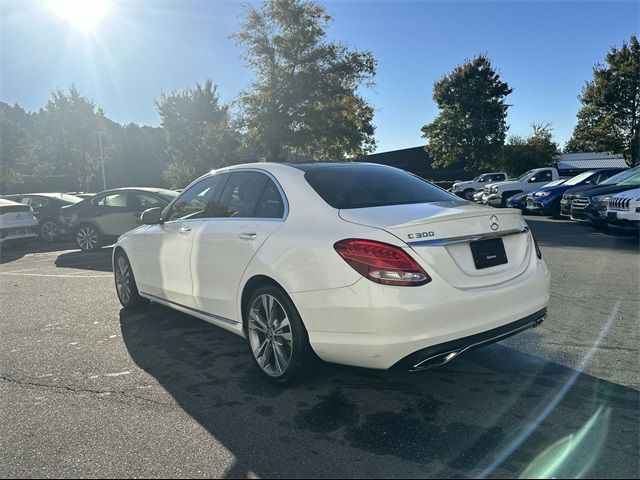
<point x="247" y="236"/>
<point x="185" y="230"/>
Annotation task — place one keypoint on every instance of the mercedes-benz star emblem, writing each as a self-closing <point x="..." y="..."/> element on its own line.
<point x="494" y="222"/>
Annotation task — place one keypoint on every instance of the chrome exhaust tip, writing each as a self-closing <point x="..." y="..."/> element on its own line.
<point x="435" y="361"/>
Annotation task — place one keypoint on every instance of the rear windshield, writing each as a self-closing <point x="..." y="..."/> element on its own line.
<point x="362" y="186"/>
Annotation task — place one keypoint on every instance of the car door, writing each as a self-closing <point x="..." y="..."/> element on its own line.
<point x="163" y="251"/>
<point x="540" y="178"/>
<point x="113" y="215"/>
<point x="250" y="208"/>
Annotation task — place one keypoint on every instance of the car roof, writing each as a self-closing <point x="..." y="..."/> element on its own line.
<point x="142" y="189"/>
<point x="307" y="167"/>
<point x="6" y="202"/>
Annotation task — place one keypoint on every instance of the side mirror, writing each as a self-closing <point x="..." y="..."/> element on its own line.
<point x="151" y="216"/>
<point x="532" y="180"/>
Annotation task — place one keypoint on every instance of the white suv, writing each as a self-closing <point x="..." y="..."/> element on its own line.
<point x="624" y="208"/>
<point x="467" y="189"/>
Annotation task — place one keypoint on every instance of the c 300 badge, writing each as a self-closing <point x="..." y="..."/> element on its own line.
<point x="418" y="235"/>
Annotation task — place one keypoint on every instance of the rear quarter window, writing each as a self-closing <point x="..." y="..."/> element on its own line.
<point x="362" y="186"/>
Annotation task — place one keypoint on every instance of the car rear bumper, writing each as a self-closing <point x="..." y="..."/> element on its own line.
<point x="17" y="234"/>
<point x="440" y="354"/>
<point x="375" y="326"/>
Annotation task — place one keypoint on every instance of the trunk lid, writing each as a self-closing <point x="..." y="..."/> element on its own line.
<point x="441" y="234"/>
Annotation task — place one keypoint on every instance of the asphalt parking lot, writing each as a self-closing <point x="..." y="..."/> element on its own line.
<point x="87" y="389"/>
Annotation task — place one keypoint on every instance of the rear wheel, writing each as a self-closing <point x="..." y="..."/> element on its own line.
<point x="88" y="238"/>
<point x="277" y="337"/>
<point x="49" y="231"/>
<point x="126" y="283"/>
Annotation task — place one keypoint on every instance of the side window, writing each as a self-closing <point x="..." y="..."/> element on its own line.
<point x="483" y="178"/>
<point x="544" y="176"/>
<point x="144" y="201"/>
<point x="499" y="177"/>
<point x="114" y="200"/>
<point x="34" y="202"/>
<point x="193" y="202"/>
<point x="241" y="195"/>
<point x="271" y="204"/>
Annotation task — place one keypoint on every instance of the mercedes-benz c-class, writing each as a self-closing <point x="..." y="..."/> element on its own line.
<point x="357" y="264"/>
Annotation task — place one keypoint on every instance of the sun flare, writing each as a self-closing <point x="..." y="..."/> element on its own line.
<point x="81" y="14"/>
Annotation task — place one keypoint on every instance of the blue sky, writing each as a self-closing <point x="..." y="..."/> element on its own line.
<point x="544" y="50"/>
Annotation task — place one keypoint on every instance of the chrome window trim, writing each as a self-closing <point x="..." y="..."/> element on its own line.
<point x="269" y="175"/>
<point x="442" y="242"/>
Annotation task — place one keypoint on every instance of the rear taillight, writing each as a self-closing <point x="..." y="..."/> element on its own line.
<point x="381" y="262"/>
<point x="538" y="251"/>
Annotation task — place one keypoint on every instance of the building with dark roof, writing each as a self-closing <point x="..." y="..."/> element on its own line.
<point x="417" y="161"/>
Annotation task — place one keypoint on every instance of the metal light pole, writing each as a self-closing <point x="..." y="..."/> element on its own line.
<point x="104" y="177"/>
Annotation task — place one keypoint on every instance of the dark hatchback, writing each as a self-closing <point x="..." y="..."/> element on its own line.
<point x="591" y="205"/>
<point x="47" y="207"/>
<point x="107" y="215"/>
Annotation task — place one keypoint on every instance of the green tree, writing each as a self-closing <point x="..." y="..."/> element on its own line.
<point x="65" y="137"/>
<point x="538" y="150"/>
<point x="304" y="102"/>
<point x="199" y="132"/>
<point x="609" y="119"/>
<point x="472" y="119"/>
<point x="14" y="144"/>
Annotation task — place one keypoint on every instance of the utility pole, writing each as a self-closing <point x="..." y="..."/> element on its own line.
<point x="104" y="177"/>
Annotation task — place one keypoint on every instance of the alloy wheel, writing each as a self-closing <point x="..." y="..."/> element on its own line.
<point x="87" y="238"/>
<point x="49" y="232"/>
<point x="270" y="335"/>
<point x="123" y="279"/>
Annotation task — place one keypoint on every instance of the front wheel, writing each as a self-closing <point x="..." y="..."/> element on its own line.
<point x="88" y="237"/>
<point x="126" y="287"/>
<point x="277" y="337"/>
<point x="49" y="231"/>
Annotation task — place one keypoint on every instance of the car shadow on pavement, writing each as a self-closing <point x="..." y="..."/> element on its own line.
<point x="570" y="234"/>
<point x="492" y="412"/>
<point x="99" y="260"/>
<point x="10" y="253"/>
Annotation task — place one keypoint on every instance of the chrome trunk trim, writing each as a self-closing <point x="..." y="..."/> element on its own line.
<point x="441" y="242"/>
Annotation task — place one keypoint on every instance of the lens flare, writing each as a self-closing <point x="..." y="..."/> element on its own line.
<point x="81" y="14"/>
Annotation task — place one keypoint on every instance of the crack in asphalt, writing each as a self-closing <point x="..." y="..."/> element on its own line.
<point x="64" y="388"/>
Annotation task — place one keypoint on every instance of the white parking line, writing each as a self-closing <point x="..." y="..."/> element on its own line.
<point x="51" y="275"/>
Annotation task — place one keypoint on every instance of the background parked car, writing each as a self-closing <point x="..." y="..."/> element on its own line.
<point x="47" y="209"/>
<point x="109" y="214"/>
<point x="498" y="193"/>
<point x="81" y="194"/>
<point x="467" y="189"/>
<point x="546" y="200"/>
<point x="519" y="201"/>
<point x="17" y="222"/>
<point x="569" y="195"/>
<point x="591" y="205"/>
<point x="624" y="209"/>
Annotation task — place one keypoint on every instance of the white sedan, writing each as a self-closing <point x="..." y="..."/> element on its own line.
<point x="359" y="264"/>
<point x="18" y="224"/>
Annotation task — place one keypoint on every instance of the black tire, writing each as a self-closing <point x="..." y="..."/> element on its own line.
<point x="125" y="280"/>
<point x="88" y="237"/>
<point x="468" y="194"/>
<point x="301" y="356"/>
<point x="49" y="231"/>
<point x="555" y="210"/>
